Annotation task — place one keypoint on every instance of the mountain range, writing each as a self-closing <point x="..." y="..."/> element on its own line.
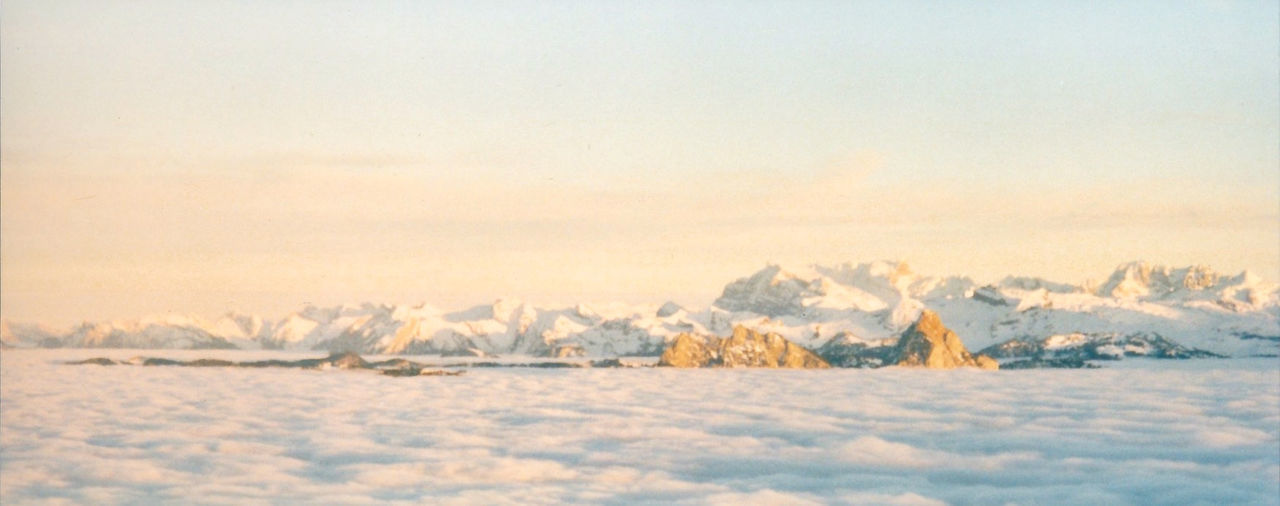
<point x="864" y="305"/>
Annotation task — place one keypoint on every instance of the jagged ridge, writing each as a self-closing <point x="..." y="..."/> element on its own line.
<point x="744" y="348"/>
<point x="812" y="306"/>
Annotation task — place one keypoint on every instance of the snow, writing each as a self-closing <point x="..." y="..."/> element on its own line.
<point x="1138" y="432"/>
<point x="1111" y="350"/>
<point x="1065" y="341"/>
<point x="1193" y="306"/>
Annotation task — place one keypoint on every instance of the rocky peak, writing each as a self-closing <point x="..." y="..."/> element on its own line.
<point x="1139" y="279"/>
<point x="743" y="348"/>
<point x="686" y="351"/>
<point x="929" y="324"/>
<point x="1199" y="277"/>
<point x="772" y="292"/>
<point x="929" y="343"/>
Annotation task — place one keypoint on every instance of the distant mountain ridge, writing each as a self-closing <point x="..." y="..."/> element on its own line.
<point x="812" y="306"/>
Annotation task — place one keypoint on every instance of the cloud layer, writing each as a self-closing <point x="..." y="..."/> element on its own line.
<point x="1184" y="433"/>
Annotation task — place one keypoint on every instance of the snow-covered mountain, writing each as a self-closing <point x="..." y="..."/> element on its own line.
<point x="870" y="302"/>
<point x="1195" y="306"/>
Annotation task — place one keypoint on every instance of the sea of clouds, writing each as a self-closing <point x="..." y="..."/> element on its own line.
<point x="1144" y="432"/>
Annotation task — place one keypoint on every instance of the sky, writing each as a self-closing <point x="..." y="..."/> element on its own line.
<point x="180" y="157"/>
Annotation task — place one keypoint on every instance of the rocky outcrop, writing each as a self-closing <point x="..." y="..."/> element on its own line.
<point x="985" y="362"/>
<point x="686" y="351"/>
<point x="1049" y="363"/>
<point x="845" y="350"/>
<point x="744" y="348"/>
<point x="94" y="361"/>
<point x="927" y="343"/>
<point x="343" y="360"/>
<point x="1096" y="346"/>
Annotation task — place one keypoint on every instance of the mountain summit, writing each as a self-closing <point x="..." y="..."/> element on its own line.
<point x="744" y="348"/>
<point x="837" y="310"/>
<point x="1142" y="280"/>
<point x="927" y="343"/>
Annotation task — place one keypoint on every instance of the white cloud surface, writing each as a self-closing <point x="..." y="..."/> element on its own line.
<point x="1176" y="433"/>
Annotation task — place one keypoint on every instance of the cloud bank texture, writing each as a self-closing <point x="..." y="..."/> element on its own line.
<point x="1188" y="432"/>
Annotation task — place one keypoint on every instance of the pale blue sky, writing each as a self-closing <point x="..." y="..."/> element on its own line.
<point x="257" y="155"/>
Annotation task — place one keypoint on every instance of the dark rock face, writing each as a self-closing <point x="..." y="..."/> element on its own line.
<point x="94" y="361"/>
<point x="344" y="360"/>
<point x="209" y="362"/>
<point x="161" y="361"/>
<point x="769" y="292"/>
<point x="347" y="360"/>
<point x="990" y="295"/>
<point x="1048" y="363"/>
<point x="552" y="365"/>
<point x="395" y="363"/>
<point x="521" y="365"/>
<point x="415" y="371"/>
<point x="1250" y="335"/>
<point x="403" y="371"/>
<point x="927" y="343"/>
<point x="1095" y="346"/>
<point x="744" y="348"/>
<point x="844" y="351"/>
<point x="567" y="351"/>
<point x="1015" y="348"/>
